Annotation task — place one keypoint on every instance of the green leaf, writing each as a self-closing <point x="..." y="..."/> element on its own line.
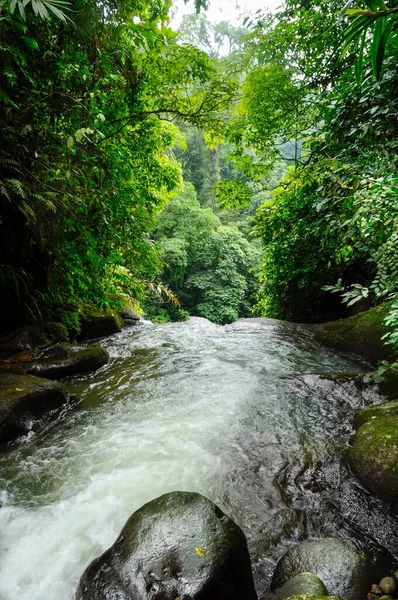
<point x="379" y="48"/>
<point x="375" y="4"/>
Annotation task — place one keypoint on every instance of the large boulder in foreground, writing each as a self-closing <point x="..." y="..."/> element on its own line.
<point x="373" y="456"/>
<point x="63" y="360"/>
<point x="178" y="545"/>
<point x="27" y="403"/>
<point x="360" y="334"/>
<point x="344" y="572"/>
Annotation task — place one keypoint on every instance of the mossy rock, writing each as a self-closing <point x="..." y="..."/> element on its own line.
<point x="180" y="545"/>
<point x="28" y="403"/>
<point x="344" y="571"/>
<point x="63" y="360"/>
<point x="360" y="334"/>
<point x="97" y="323"/>
<point x="373" y="457"/>
<point x="385" y="409"/>
<point x="313" y="597"/>
<point x="302" y="584"/>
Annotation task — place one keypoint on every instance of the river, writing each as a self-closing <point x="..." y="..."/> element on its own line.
<point x="244" y="414"/>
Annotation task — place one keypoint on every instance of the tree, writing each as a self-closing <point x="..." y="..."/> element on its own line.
<point x="207" y="265"/>
<point x="85" y="162"/>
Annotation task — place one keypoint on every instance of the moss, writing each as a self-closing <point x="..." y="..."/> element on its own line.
<point x="312" y="597"/>
<point x="385" y="409"/>
<point x="360" y="334"/>
<point x="96" y="322"/>
<point x="306" y="583"/>
<point x="373" y="457"/>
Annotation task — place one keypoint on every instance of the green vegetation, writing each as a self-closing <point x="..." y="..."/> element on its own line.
<point x="85" y="159"/>
<point x="133" y="165"/>
<point x="208" y="265"/>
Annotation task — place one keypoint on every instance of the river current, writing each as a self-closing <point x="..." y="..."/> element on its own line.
<point x="244" y="414"/>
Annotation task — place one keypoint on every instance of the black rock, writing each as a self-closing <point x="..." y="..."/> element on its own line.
<point x="97" y="323"/>
<point x="27" y="403"/>
<point x="178" y="545"/>
<point x="63" y="360"/>
<point x="344" y="572"/>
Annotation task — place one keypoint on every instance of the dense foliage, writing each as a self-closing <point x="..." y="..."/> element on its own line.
<point x="208" y="265"/>
<point x="85" y="159"/>
<point x="332" y="222"/>
<point x="103" y="113"/>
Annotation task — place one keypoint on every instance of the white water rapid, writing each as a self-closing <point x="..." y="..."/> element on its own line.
<point x="240" y="413"/>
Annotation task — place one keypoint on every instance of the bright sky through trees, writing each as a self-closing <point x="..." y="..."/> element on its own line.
<point x="224" y="10"/>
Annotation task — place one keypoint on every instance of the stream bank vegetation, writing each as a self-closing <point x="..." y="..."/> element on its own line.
<point x="137" y="164"/>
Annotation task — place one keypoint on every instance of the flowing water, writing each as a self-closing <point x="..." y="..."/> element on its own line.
<point x="244" y="414"/>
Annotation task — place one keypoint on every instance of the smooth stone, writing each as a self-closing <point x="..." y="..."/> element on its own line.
<point x="373" y="457"/>
<point x="313" y="597"/>
<point x="64" y="360"/>
<point x="178" y="545"/>
<point x="344" y="571"/>
<point x="303" y="583"/>
<point x="28" y="403"/>
<point x="387" y="585"/>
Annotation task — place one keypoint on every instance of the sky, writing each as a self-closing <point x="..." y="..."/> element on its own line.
<point x="224" y="10"/>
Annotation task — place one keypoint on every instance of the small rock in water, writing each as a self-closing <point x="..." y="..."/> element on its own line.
<point x="385" y="597"/>
<point x="387" y="585"/>
<point x="395" y="575"/>
<point x="375" y="590"/>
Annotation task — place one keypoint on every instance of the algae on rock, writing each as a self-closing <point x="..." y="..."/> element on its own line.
<point x="373" y="457"/>
<point x="360" y="334"/>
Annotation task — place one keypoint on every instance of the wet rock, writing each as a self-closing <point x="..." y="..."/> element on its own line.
<point x="63" y="360"/>
<point x="344" y="572"/>
<point x="385" y="597"/>
<point x="375" y="590"/>
<point x="129" y="315"/>
<point x="178" y="545"/>
<point x="395" y="575"/>
<point x="313" y="597"/>
<point x="360" y="334"/>
<point x="385" y="409"/>
<point x="98" y="323"/>
<point x="15" y="342"/>
<point x="373" y="457"/>
<point x="303" y="583"/>
<point x="27" y="403"/>
<point x="387" y="585"/>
